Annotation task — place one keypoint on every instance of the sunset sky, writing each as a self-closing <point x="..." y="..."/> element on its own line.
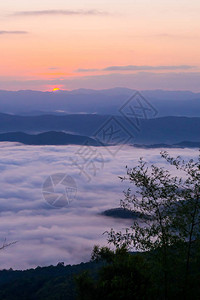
<point x="142" y="44"/>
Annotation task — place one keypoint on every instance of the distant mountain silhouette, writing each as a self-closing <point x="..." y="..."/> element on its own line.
<point x="47" y="138"/>
<point x="167" y="103"/>
<point x="184" y="144"/>
<point x="166" y="130"/>
<point x="62" y="138"/>
<point x="187" y="144"/>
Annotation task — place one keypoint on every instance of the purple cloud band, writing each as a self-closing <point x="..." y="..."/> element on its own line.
<point x="13" y="32"/>
<point x="137" y="68"/>
<point x="65" y="12"/>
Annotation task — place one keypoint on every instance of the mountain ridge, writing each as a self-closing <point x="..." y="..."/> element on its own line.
<point x="47" y="138"/>
<point x="166" y="130"/>
<point x="97" y="101"/>
<point x="62" y="138"/>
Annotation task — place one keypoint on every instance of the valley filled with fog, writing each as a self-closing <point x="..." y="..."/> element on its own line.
<point x="45" y="234"/>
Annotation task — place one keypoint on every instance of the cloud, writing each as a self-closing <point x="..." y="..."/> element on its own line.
<point x="138" y="68"/>
<point x="13" y="32"/>
<point x="138" y="80"/>
<point x="55" y="12"/>
<point x="147" y="68"/>
<point x="46" y="235"/>
<point x="87" y="70"/>
<point x="53" y="68"/>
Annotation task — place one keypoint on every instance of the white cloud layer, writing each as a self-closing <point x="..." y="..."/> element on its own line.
<point x="47" y="235"/>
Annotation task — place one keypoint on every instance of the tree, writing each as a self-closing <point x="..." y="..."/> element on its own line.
<point x="166" y="233"/>
<point x="169" y="210"/>
<point x="187" y="221"/>
<point x="123" y="276"/>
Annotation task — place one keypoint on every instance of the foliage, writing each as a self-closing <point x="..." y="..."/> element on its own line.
<point x="124" y="276"/>
<point x="169" y="222"/>
<point x="43" y="283"/>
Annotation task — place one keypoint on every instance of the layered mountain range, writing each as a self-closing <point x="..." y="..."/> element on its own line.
<point x="157" y="118"/>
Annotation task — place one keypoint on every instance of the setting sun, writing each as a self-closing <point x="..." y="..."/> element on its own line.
<point x="56" y="89"/>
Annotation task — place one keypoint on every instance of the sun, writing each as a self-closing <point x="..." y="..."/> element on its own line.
<point x="56" y="89"/>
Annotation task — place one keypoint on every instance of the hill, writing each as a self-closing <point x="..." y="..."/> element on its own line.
<point x="43" y="283"/>
<point x="47" y="138"/>
<point x="166" y="130"/>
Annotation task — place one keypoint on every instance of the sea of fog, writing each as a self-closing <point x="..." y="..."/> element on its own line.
<point x="46" y="234"/>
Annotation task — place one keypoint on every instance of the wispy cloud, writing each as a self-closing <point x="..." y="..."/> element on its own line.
<point x="138" y="68"/>
<point x="53" y="68"/>
<point x="141" y="80"/>
<point x="64" y="12"/>
<point x="87" y="70"/>
<point x="13" y="32"/>
<point x="146" y="68"/>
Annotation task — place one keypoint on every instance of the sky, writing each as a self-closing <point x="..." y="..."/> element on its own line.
<point x="141" y="44"/>
<point x="46" y="235"/>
